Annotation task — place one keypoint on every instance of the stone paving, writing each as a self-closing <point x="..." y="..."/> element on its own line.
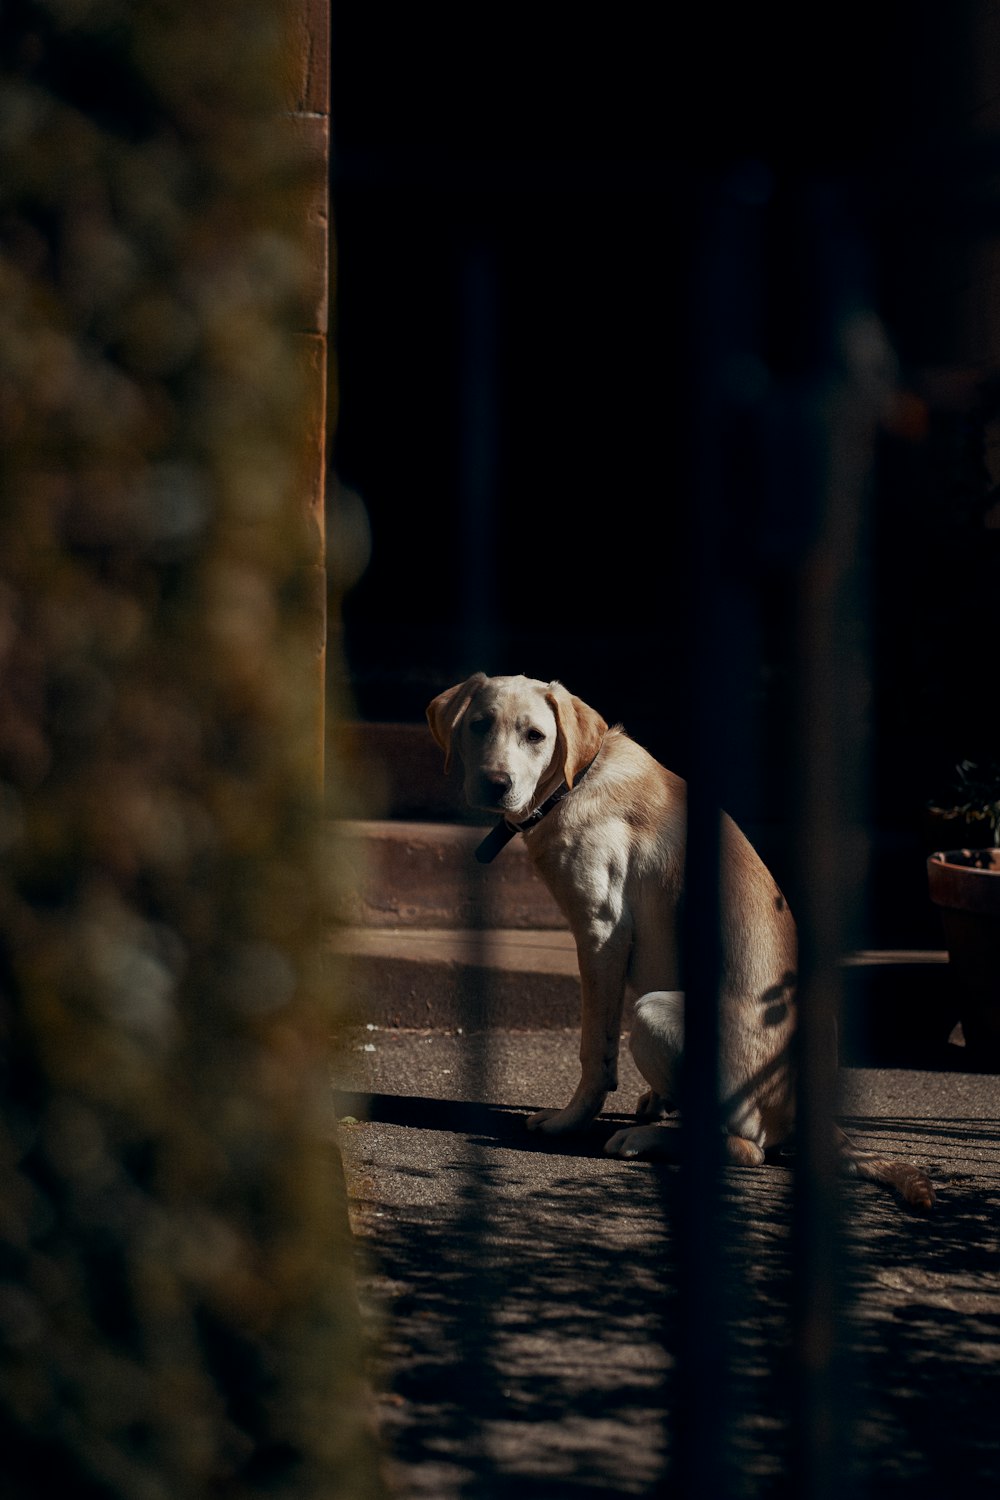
<point x="522" y="1294"/>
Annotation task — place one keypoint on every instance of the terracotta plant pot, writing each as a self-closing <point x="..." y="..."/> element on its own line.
<point x="965" y="885"/>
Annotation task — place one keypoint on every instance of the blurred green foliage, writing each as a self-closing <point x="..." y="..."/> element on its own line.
<point x="176" y="1310"/>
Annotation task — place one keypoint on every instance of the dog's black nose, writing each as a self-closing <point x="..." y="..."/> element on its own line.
<point x="496" y="785"/>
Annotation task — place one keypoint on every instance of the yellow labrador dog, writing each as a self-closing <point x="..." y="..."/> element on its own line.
<point x="604" y="824"/>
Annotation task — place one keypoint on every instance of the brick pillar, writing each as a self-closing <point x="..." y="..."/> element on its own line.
<point x="309" y="86"/>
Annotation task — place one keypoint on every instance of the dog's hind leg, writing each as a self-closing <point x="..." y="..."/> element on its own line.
<point x="742" y="1152"/>
<point x="656" y="1041"/>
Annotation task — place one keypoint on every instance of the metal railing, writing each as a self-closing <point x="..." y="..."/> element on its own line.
<point x="831" y="398"/>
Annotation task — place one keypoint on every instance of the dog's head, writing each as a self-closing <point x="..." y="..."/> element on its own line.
<point x="516" y="737"/>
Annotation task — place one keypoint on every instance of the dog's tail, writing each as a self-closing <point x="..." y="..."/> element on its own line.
<point x="913" y="1185"/>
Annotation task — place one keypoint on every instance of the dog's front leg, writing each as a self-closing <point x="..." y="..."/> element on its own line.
<point x="603" y="965"/>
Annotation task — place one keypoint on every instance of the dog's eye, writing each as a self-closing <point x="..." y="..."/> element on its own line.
<point x="479" y="726"/>
<point x="534" y="736"/>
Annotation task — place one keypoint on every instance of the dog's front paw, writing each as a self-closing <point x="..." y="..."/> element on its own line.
<point x="559" y="1121"/>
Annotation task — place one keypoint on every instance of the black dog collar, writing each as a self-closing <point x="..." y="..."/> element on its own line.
<point x="499" y="837"/>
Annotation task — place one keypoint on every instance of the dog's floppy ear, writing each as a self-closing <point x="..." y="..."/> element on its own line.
<point x="444" y="712"/>
<point x="579" y="731"/>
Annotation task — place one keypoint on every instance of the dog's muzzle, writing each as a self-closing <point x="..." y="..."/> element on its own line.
<point x="494" y="788"/>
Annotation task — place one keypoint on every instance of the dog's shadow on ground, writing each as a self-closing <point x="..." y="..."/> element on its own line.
<point x="487" y="1124"/>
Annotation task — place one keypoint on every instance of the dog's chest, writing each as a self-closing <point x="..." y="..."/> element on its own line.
<point x="579" y="856"/>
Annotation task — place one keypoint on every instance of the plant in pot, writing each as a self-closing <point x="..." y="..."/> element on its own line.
<point x="964" y="884"/>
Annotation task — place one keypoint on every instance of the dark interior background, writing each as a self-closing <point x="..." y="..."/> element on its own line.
<point x="518" y="197"/>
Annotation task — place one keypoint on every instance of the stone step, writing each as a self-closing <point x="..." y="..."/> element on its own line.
<point x="898" y="1006"/>
<point x="440" y="977"/>
<point x="426" y="875"/>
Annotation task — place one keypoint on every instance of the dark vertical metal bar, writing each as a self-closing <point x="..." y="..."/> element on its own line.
<point x="722" y="293"/>
<point x="848" y="377"/>
<point x="478" y="457"/>
<point x="699" y="1406"/>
